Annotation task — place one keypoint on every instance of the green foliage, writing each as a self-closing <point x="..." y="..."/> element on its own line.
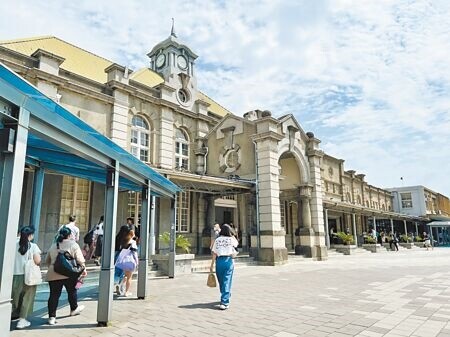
<point x="347" y="239"/>
<point x="181" y="241"/>
<point x="370" y="239"/>
<point x="418" y="238"/>
<point x="405" y="238"/>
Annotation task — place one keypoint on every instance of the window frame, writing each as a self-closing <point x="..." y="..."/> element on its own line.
<point x="181" y="160"/>
<point x="136" y="148"/>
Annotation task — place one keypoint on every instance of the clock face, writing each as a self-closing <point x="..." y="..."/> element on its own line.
<point x="160" y="60"/>
<point x="182" y="63"/>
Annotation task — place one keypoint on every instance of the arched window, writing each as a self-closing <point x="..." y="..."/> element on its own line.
<point x="181" y="150"/>
<point x="140" y="145"/>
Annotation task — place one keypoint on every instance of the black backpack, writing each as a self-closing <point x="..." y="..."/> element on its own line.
<point x="66" y="265"/>
<point x="89" y="237"/>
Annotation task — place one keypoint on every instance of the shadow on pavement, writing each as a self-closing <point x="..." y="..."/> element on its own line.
<point x="211" y="305"/>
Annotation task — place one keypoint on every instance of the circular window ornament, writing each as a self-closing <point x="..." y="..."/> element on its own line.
<point x="183" y="96"/>
<point x="230" y="159"/>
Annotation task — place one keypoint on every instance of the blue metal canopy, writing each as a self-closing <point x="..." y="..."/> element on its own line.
<point x="59" y="141"/>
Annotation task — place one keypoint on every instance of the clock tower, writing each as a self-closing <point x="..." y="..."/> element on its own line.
<point x="174" y="61"/>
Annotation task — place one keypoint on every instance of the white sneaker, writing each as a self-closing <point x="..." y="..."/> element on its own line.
<point x="128" y="294"/>
<point x="223" y="307"/>
<point x="52" y="320"/>
<point x="77" y="311"/>
<point x="122" y="286"/>
<point x="23" y="323"/>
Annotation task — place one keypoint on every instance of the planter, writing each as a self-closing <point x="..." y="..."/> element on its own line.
<point x="408" y="245"/>
<point x="183" y="263"/>
<point x="345" y="249"/>
<point x="371" y="247"/>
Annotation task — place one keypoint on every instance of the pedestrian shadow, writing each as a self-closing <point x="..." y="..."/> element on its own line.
<point x="39" y="323"/>
<point x="211" y="305"/>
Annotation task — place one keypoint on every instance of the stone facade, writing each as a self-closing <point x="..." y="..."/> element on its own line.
<point x="264" y="174"/>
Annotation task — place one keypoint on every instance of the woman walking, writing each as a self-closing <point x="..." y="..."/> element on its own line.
<point x="127" y="243"/>
<point x="223" y="250"/>
<point x="22" y="294"/>
<point x="98" y="238"/>
<point x="57" y="281"/>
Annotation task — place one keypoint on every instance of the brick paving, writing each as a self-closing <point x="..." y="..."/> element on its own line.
<point x="396" y="294"/>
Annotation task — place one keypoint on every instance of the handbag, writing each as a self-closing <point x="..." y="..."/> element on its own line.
<point x="126" y="260"/>
<point x="66" y="265"/>
<point x="33" y="274"/>
<point x="211" y="282"/>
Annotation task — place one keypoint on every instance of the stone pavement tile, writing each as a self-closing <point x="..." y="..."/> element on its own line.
<point x="367" y="333"/>
<point x="351" y="329"/>
<point x="378" y="330"/>
<point x="365" y="321"/>
<point x="285" y="334"/>
<point x="338" y="334"/>
<point x="316" y="333"/>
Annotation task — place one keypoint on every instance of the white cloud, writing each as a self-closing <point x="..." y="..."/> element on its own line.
<point x="370" y="78"/>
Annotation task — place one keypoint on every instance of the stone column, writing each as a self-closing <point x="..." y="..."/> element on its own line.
<point x="355" y="235"/>
<point x="327" y="230"/>
<point x="314" y="156"/>
<point x="392" y="226"/>
<point x="119" y="117"/>
<point x="166" y="137"/>
<point x="272" y="249"/>
<point x="417" y="229"/>
<point x="406" y="228"/>
<point x="242" y="209"/>
<point x="307" y="236"/>
<point x="201" y="216"/>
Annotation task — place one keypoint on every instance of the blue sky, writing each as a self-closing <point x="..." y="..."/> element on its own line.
<point x="370" y="78"/>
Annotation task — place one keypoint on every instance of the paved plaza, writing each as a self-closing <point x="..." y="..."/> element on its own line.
<point x="402" y="293"/>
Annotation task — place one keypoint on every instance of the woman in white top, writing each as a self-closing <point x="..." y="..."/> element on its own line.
<point x="22" y="294"/>
<point x="223" y="250"/>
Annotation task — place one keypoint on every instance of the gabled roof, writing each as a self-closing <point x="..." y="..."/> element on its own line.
<point x="77" y="60"/>
<point x="90" y="65"/>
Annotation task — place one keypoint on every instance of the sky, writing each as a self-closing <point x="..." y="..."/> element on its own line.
<point x="371" y="79"/>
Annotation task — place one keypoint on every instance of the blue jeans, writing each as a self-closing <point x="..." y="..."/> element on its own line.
<point x="224" y="272"/>
<point x="118" y="273"/>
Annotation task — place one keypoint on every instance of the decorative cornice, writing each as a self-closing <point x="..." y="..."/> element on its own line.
<point x="40" y="52"/>
<point x="267" y="135"/>
<point x="314" y="153"/>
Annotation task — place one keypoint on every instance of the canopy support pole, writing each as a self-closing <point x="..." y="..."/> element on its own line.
<point x="105" y="296"/>
<point x="173" y="207"/>
<point x="143" y="251"/>
<point x="11" y="181"/>
<point x="36" y="201"/>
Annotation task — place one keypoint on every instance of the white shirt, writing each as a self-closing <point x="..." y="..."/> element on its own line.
<point x="21" y="260"/>
<point x="74" y="229"/>
<point x="224" y="245"/>
<point x="99" y="229"/>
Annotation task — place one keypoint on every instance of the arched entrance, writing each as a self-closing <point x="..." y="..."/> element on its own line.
<point x="289" y="180"/>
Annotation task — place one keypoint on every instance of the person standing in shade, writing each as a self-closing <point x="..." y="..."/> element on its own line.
<point x="23" y="295"/>
<point x="223" y="249"/>
<point x="75" y="231"/>
<point x="98" y="237"/>
<point x="57" y="281"/>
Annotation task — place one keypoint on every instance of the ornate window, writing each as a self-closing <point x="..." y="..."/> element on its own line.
<point x="406" y="200"/>
<point x="140" y="135"/>
<point x="75" y="201"/>
<point x="134" y="206"/>
<point x="283" y="214"/>
<point x="182" y="212"/>
<point x="181" y="150"/>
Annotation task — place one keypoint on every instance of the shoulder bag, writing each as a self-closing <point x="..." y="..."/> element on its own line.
<point x="127" y="260"/>
<point x="33" y="274"/>
<point x="66" y="265"/>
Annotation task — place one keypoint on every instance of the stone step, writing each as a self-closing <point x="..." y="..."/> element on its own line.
<point x="203" y="265"/>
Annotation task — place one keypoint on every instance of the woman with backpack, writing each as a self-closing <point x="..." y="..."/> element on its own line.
<point x="56" y="281"/>
<point x="23" y="295"/>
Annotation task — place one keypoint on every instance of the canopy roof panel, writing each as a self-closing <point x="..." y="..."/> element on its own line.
<point x="62" y="142"/>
